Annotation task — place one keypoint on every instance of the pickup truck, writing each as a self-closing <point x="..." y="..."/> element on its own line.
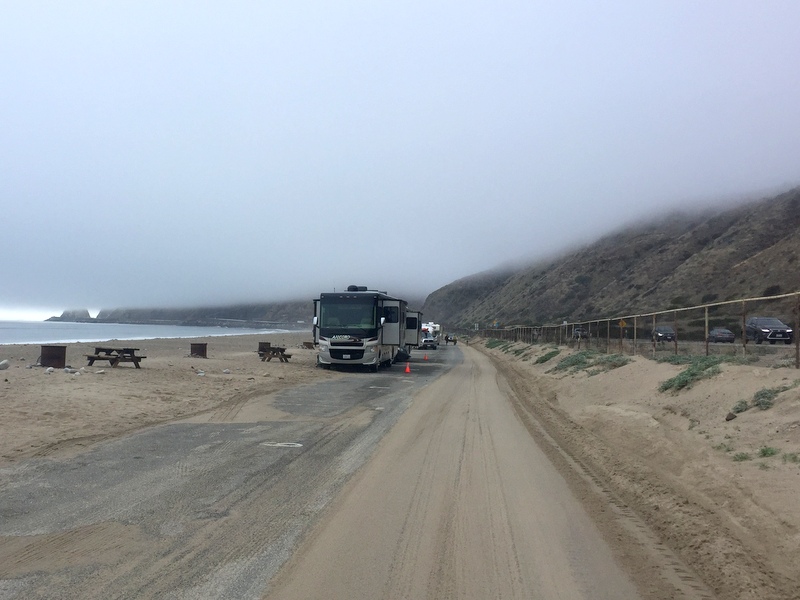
<point x="429" y="342"/>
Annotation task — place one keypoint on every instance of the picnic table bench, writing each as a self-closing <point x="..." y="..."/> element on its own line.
<point x="114" y="356"/>
<point x="268" y="353"/>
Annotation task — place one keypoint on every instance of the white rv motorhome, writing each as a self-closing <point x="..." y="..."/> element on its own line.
<point x="362" y="327"/>
<point x="430" y="335"/>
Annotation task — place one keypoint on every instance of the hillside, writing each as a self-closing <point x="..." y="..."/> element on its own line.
<point x="679" y="260"/>
<point x="291" y="314"/>
<point x="283" y="313"/>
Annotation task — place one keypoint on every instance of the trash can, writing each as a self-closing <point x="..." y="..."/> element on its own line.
<point x="200" y="350"/>
<point x="54" y="356"/>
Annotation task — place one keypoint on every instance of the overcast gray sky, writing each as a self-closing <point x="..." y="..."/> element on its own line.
<point x="159" y="153"/>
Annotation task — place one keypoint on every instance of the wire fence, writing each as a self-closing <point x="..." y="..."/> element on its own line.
<point x="752" y="327"/>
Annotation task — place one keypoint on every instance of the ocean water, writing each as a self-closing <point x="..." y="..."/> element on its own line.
<point x="57" y="332"/>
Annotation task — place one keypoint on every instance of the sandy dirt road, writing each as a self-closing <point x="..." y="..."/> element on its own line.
<point x="461" y="502"/>
<point x="204" y="508"/>
<point x="439" y="483"/>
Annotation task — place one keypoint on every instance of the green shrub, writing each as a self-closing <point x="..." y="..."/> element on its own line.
<point x="545" y="357"/>
<point x="740" y="406"/>
<point x="701" y="367"/>
<point x="791" y="457"/>
<point x="592" y="361"/>
<point x="502" y="345"/>
<point x="577" y="361"/>
<point x="611" y="361"/>
<point x="786" y="363"/>
<point x="688" y="359"/>
<point x="765" y="451"/>
<point x="765" y="398"/>
<point x="742" y="456"/>
<point x="677" y="359"/>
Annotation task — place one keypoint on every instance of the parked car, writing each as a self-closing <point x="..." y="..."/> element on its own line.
<point x="720" y="334"/>
<point x="663" y="333"/>
<point x="769" y="329"/>
<point x="580" y="333"/>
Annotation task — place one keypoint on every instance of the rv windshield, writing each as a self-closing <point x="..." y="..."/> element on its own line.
<point x="346" y="315"/>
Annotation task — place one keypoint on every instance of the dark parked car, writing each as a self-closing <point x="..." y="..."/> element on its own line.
<point x="663" y="333"/>
<point x="769" y="329"/>
<point x="720" y="334"/>
<point x="580" y="333"/>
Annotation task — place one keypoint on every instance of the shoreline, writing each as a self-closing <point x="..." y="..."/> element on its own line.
<point x="14" y="333"/>
<point x="50" y="412"/>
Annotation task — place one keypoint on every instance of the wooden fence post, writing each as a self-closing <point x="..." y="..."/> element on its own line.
<point x="796" y="332"/>
<point x="652" y="335"/>
<point x="675" y="327"/>
<point x="744" y="329"/>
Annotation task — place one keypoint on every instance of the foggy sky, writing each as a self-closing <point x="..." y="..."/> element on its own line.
<point x="198" y="153"/>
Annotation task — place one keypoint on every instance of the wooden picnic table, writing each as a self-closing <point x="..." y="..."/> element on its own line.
<point x="267" y="354"/>
<point x="114" y="356"/>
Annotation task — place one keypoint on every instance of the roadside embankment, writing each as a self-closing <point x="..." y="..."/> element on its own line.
<point x="706" y="453"/>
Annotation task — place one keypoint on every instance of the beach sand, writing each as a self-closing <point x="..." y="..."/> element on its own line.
<point x="48" y="414"/>
<point x="722" y="493"/>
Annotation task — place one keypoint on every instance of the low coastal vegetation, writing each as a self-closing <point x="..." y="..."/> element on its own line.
<point x="502" y="345"/>
<point x="697" y="368"/>
<point x="763" y="398"/>
<point x="591" y="361"/>
<point x="547" y="356"/>
<point x="766" y="451"/>
<point x="506" y="346"/>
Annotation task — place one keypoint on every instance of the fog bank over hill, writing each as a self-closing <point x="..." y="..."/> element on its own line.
<point x="677" y="260"/>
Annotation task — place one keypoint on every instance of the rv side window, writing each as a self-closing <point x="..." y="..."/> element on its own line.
<point x="391" y="313"/>
<point x="411" y="323"/>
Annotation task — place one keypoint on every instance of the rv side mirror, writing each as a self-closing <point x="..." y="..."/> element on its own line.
<point x="314" y="321"/>
<point x="383" y="320"/>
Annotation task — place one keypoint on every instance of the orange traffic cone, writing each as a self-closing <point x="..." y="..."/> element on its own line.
<point x="426" y="357"/>
<point x="408" y="367"/>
